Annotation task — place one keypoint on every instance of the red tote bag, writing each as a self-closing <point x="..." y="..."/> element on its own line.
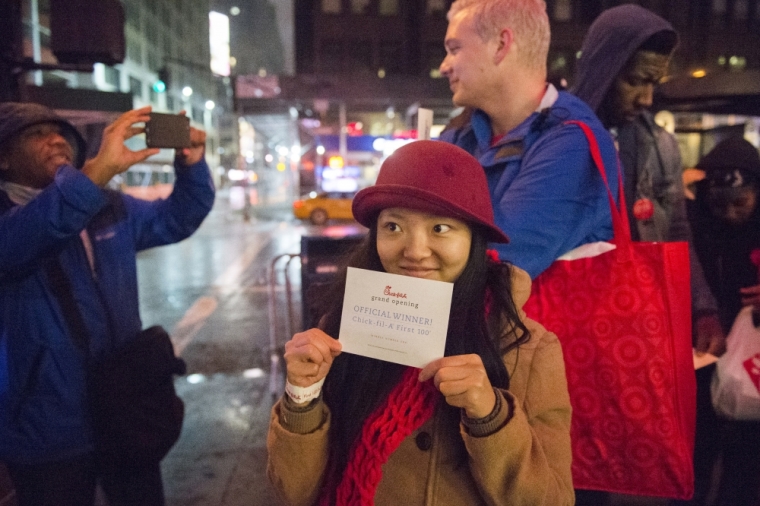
<point x="624" y="321"/>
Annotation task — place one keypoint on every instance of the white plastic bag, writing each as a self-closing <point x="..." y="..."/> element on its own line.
<point x="736" y="383"/>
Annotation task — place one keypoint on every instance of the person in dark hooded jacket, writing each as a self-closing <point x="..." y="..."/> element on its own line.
<point x="624" y="55"/>
<point x="725" y="219"/>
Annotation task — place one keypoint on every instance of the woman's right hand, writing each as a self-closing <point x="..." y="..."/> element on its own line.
<point x="309" y="356"/>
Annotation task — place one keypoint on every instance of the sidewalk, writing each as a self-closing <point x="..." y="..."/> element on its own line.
<point x="220" y="458"/>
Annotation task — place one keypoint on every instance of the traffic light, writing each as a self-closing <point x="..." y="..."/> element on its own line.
<point x="162" y="84"/>
<point x="87" y="31"/>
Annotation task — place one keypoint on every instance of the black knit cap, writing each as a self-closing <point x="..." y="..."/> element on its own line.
<point x="15" y="117"/>
<point x="733" y="162"/>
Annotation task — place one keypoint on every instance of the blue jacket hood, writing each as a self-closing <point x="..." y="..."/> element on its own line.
<point x="610" y="42"/>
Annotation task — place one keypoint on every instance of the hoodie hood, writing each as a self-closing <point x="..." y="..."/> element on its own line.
<point x="15" y="117"/>
<point x="610" y="42"/>
<point x="733" y="162"/>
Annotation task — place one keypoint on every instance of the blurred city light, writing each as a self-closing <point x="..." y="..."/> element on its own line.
<point x="219" y="43"/>
<point x="335" y="162"/>
<point x="159" y="86"/>
<point x="253" y="373"/>
<point x="236" y="175"/>
<point x="194" y="379"/>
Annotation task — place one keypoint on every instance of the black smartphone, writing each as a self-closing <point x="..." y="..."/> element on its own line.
<point x="167" y="131"/>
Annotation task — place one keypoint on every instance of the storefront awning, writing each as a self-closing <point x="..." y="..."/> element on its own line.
<point x="715" y="93"/>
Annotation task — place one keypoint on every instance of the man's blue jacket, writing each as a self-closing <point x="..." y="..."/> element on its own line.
<point x="43" y="406"/>
<point x="546" y="193"/>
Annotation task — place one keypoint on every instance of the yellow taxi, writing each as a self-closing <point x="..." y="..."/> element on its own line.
<point x="320" y="207"/>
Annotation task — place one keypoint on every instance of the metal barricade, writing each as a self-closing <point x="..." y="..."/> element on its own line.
<point x="281" y="328"/>
<point x="320" y="260"/>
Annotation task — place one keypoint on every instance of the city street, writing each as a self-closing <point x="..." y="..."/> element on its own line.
<point x="211" y="292"/>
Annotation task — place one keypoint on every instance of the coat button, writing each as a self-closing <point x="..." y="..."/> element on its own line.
<point x="424" y="441"/>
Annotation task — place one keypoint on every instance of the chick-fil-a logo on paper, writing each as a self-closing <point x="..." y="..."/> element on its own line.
<point x="398" y="295"/>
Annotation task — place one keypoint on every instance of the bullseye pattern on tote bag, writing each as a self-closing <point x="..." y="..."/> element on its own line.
<point x="624" y="321"/>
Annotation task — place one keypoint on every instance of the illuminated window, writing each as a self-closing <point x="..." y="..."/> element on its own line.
<point x="360" y="6"/>
<point x="332" y="6"/>
<point x="436" y="7"/>
<point x="737" y="63"/>
<point x="558" y="63"/>
<point x="563" y="10"/>
<point x="388" y="7"/>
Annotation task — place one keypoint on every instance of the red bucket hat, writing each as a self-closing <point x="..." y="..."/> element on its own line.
<point x="434" y="177"/>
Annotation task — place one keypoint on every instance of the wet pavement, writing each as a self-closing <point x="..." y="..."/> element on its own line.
<point x="221" y="457"/>
<point x="212" y="292"/>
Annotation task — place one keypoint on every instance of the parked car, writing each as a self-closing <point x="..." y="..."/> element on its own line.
<point x="320" y="207"/>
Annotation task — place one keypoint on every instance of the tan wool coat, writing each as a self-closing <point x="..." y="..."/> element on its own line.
<point x="525" y="461"/>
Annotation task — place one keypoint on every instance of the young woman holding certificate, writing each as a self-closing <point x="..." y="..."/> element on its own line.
<point x="489" y="423"/>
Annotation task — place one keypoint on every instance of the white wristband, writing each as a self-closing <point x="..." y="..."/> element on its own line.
<point x="300" y="395"/>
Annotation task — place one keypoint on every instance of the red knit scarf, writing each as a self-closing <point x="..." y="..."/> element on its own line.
<point x="407" y="407"/>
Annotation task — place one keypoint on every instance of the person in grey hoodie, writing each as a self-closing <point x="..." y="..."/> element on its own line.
<point x="624" y="55"/>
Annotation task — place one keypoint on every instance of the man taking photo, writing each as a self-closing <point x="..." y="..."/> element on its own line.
<point x="55" y="211"/>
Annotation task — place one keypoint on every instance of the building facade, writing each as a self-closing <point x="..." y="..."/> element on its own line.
<point x="406" y="37"/>
<point x="166" y="65"/>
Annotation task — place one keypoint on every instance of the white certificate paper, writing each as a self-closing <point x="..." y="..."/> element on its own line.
<point x="395" y="318"/>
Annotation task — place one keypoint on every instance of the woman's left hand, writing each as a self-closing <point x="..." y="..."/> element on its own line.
<point x="463" y="381"/>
